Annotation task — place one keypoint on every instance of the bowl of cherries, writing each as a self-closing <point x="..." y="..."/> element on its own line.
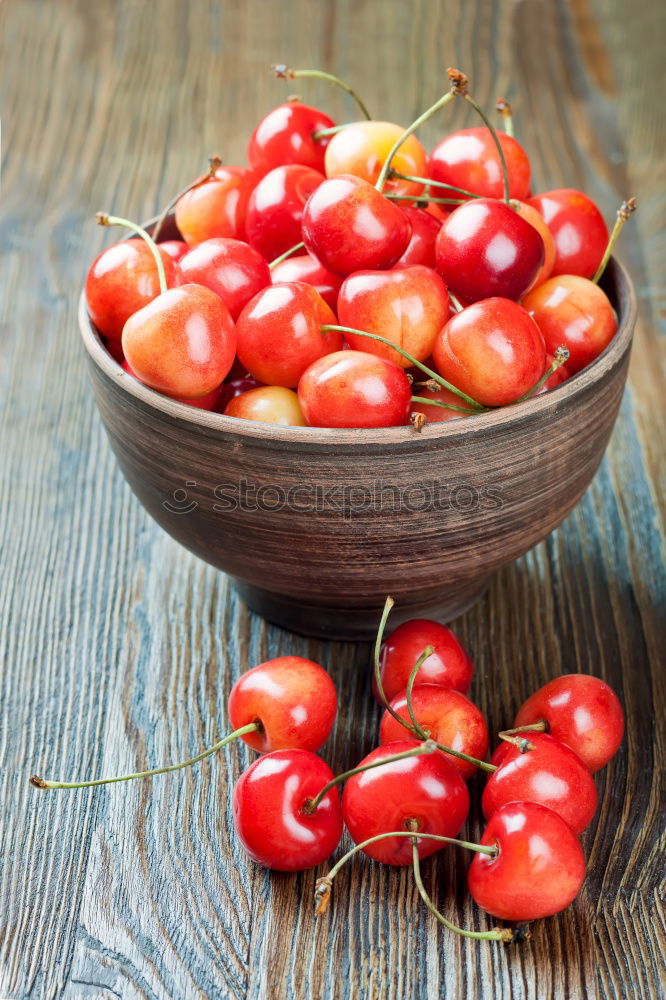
<point x="350" y="367"/>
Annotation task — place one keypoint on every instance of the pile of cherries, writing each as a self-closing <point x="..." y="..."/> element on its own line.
<point x="319" y="283"/>
<point x="408" y="798"/>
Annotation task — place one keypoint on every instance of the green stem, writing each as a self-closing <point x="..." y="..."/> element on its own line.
<point x="443" y="406"/>
<point x="424" y="197"/>
<point x="504" y="109"/>
<point x="418" y="728"/>
<point x="626" y="209"/>
<point x="251" y="727"/>
<point x="322" y="133"/>
<point x="288" y="253"/>
<point x="431" y="183"/>
<point x="286" y="73"/>
<point x="214" y="162"/>
<point x="561" y="355"/>
<point x="535" y="727"/>
<point x="498" y="145"/>
<point x="103" y="219"/>
<point x="442" y="102"/>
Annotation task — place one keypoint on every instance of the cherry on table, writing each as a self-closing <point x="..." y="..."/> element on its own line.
<point x="449" y="665"/>
<point x="285" y="135"/>
<point x="469" y="159"/>
<point x="269" y="404"/>
<point x="230" y="268"/>
<point x="216" y="207"/>
<point x="354" y="389"/>
<point x="275" y="208"/>
<point x="361" y="149"/>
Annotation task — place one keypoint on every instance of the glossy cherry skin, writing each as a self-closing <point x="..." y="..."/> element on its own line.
<point x="285" y="136"/>
<point x="308" y="269"/>
<point x="354" y="389"/>
<point x="174" y="248"/>
<point x="581" y="711"/>
<point x="492" y="350"/>
<point x="437" y="414"/>
<point x="469" y="159"/>
<point x="551" y="774"/>
<point x="349" y="226"/>
<point x="421" y="246"/>
<point x="217" y="207"/>
<point x="407" y="305"/>
<point x="123" y="279"/>
<point x="270" y="807"/>
<point x="230" y="268"/>
<point x="486" y="249"/>
<point x="447" y="717"/>
<point x="361" y="149"/>
<point x="575" y="313"/>
<point x="578" y="228"/>
<point x="182" y="343"/>
<point x="426" y="789"/>
<point x="530" y="214"/>
<point x="269" y="404"/>
<point x="279" y="333"/>
<point x="539" y="869"/>
<point x="448" y="666"/>
<point x="208" y="402"/>
<point x="275" y="209"/>
<point x="293" y="698"/>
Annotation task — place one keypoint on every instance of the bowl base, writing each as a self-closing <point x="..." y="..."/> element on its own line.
<point x="356" y="623"/>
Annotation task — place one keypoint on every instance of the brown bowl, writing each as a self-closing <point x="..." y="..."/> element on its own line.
<point x="317" y="526"/>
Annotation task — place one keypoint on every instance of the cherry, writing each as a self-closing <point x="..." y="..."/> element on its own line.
<point x="285" y="135"/>
<point x="530" y="214"/>
<point x="547" y="772"/>
<point x="216" y="207"/>
<point x="538" y="868"/>
<point x="361" y="149"/>
<point x="208" y="402"/>
<point x="174" y="248"/>
<point x="269" y="404"/>
<point x="421" y="246"/>
<point x="424" y="794"/>
<point x="407" y="306"/>
<point x="573" y="312"/>
<point x="485" y="249"/>
<point x="271" y="811"/>
<point x="292" y="698"/>
<point x="233" y="387"/>
<point x="279" y="333"/>
<point x="434" y="413"/>
<point x="581" y="711"/>
<point x="307" y="269"/>
<point x="492" y="350"/>
<point x="354" y="389"/>
<point x="275" y="209"/>
<point x="449" y="666"/>
<point x="230" y="268"/>
<point x="469" y="159"/>
<point x="578" y="229"/>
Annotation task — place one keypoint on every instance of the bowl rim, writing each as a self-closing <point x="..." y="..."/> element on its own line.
<point x="447" y="430"/>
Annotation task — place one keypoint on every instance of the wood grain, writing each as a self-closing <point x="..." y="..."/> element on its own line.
<point x="118" y="648"/>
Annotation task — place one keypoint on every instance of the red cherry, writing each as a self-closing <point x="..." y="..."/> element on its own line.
<point x="217" y="207"/>
<point x="578" y="228"/>
<point x="551" y="774"/>
<point x="362" y="147"/>
<point x="354" y="389"/>
<point x="174" y="248"/>
<point x="270" y="805"/>
<point x="486" y="249"/>
<point x="293" y="698"/>
<point x="349" y="226"/>
<point x="279" y="333"/>
<point x="469" y="159"/>
<point x="230" y="268"/>
<point x="208" y="402"/>
<point x="182" y="343"/>
<point x="425" y="789"/>
<point x="581" y="711"/>
<point x="275" y="209"/>
<point x="408" y="306"/>
<point x="269" y="404"/>
<point x="493" y="351"/>
<point x="575" y="313"/>
<point x="448" y="666"/>
<point x="421" y="246"/>
<point x="436" y="414"/>
<point x="539" y="867"/>
<point x="234" y="387"/>
<point x="447" y="717"/>
<point x="122" y="280"/>
<point x="307" y="269"/>
<point x="285" y="136"/>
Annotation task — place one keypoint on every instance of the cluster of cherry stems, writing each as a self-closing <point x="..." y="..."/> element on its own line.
<point x="316" y="285"/>
<point x="408" y="798"/>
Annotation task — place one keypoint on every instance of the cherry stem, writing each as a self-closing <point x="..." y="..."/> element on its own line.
<point x="498" y="145"/>
<point x="498" y="934"/>
<point x="322" y="133"/>
<point x="412" y="360"/>
<point x="418" y="728"/>
<point x="286" y="73"/>
<point x="103" y="219"/>
<point x="521" y="742"/>
<point x="424" y="197"/>
<point x="251" y="727"/>
<point x="457" y="304"/>
<point x="535" y="727"/>
<point x="504" y="109"/>
<point x="429" y="746"/>
<point x="626" y="209"/>
<point x="561" y="355"/>
<point x="431" y="183"/>
<point x="288" y="253"/>
<point x="214" y="163"/>
<point x="443" y="406"/>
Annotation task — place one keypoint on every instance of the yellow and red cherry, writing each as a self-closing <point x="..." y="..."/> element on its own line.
<point x="407" y="305"/>
<point x="230" y="268"/>
<point x="530" y="214"/>
<point x="361" y="149"/>
<point x="354" y="389"/>
<point x="575" y="313"/>
<point x="307" y="269"/>
<point x="285" y="135"/>
<point x="421" y="246"/>
<point x="279" y="333"/>
<point x="275" y="208"/>
<point x="486" y="249"/>
<point x="268" y="404"/>
<point x="578" y="227"/>
<point x="208" y="402"/>
<point x="217" y="206"/>
<point x="492" y="350"/>
<point x="469" y="159"/>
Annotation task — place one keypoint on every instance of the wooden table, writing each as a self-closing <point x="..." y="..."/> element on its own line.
<point x="119" y="648"/>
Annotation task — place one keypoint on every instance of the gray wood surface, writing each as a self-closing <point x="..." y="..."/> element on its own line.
<point x="117" y="648"/>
